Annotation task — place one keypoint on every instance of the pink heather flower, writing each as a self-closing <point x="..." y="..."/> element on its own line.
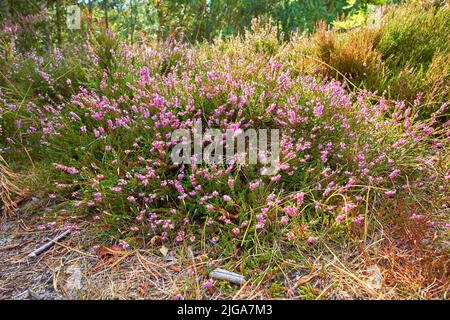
<point x="123" y="245"/>
<point x="259" y="226"/>
<point x="284" y="220"/>
<point x="341" y="217"/>
<point x="52" y="196"/>
<point x="311" y="240"/>
<point x="290" y="235"/>
<point x="210" y="207"/>
<point x="350" y="183"/>
<point x="74" y="116"/>
<point x="430" y="224"/>
<point x="208" y="284"/>
<point x="318" y="110"/>
<point x="98" y="196"/>
<point x="348" y="207"/>
<point x="100" y="177"/>
<point x="255" y="185"/>
<point x="390" y="192"/>
<point x="393" y="174"/>
<point x="69" y="170"/>
<point x="178" y="296"/>
<point x="72" y="170"/>
<point x="226" y="198"/>
<point x="275" y="178"/>
<point x="290" y="211"/>
<point x="235" y="231"/>
<point x="300" y="198"/>
<point x="231" y="183"/>
<point x="416" y="217"/>
<point x="358" y="220"/>
<point x="131" y="199"/>
<point x="116" y="189"/>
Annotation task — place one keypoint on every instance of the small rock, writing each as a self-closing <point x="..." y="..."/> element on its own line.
<point x="375" y="279"/>
<point x="73" y="283"/>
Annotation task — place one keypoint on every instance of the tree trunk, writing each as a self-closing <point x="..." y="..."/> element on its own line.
<point x="58" y="24"/>
<point x="105" y="4"/>
<point x="132" y="21"/>
<point x="47" y="34"/>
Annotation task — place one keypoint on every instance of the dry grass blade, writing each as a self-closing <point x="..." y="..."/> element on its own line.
<point x="8" y="189"/>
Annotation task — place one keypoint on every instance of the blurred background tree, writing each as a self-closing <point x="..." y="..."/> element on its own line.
<point x="41" y="24"/>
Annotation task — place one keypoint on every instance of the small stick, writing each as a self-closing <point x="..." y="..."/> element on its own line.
<point x="232" y="277"/>
<point x="34" y="296"/>
<point x="47" y="245"/>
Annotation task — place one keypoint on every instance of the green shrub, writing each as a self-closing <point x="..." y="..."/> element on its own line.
<point x="405" y="56"/>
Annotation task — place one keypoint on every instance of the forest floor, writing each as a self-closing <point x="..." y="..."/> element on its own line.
<point x="68" y="270"/>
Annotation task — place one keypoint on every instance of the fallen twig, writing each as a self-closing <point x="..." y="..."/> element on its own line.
<point x="15" y="245"/>
<point x="47" y="245"/>
<point x="34" y="296"/>
<point x="232" y="277"/>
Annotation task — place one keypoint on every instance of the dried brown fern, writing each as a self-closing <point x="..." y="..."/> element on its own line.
<point x="8" y="189"/>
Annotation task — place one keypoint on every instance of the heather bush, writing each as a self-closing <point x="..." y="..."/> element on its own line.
<point x="106" y="147"/>
<point x="87" y="134"/>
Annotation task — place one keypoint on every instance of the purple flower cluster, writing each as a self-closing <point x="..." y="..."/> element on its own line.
<point x="335" y="146"/>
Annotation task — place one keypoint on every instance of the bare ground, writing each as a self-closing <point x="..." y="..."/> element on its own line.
<point x="69" y="270"/>
<point x="66" y="272"/>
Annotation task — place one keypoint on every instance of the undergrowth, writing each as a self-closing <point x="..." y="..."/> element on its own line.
<point x="91" y="128"/>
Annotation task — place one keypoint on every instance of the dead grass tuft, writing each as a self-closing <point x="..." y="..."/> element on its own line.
<point x="8" y="189"/>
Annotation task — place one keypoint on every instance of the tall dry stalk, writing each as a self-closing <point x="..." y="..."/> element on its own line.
<point x="7" y="189"/>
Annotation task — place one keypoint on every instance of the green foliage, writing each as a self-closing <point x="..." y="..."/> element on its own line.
<point x="359" y="12"/>
<point x="414" y="37"/>
<point x="302" y="16"/>
<point x="403" y="55"/>
<point x="413" y="33"/>
<point x="43" y="26"/>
